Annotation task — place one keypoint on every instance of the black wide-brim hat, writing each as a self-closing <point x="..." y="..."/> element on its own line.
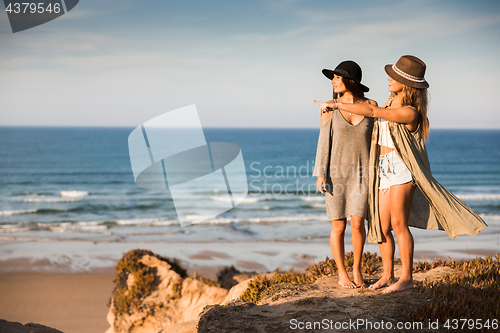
<point x="410" y="71"/>
<point x="348" y="69"/>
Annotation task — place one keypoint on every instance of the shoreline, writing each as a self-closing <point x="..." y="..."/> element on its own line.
<point x="44" y="267"/>
<point x="80" y="256"/>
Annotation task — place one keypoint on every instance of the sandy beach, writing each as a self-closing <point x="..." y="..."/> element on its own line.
<point x="72" y="303"/>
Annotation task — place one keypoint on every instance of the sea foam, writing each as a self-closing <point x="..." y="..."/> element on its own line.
<point x="17" y="212"/>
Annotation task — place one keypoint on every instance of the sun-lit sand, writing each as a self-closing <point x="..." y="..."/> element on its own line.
<point x="72" y="303"/>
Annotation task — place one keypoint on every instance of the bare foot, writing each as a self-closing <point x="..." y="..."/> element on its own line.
<point x="382" y="283"/>
<point x="399" y="286"/>
<point x="345" y="282"/>
<point x="358" y="279"/>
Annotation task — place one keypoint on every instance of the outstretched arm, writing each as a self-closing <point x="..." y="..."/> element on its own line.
<point x="403" y="115"/>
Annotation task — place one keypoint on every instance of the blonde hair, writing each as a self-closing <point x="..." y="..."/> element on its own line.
<point x="418" y="98"/>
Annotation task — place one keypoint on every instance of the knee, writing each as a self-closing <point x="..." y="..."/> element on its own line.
<point x="399" y="225"/>
<point x="387" y="233"/>
<point x="338" y="227"/>
<point x="358" y="226"/>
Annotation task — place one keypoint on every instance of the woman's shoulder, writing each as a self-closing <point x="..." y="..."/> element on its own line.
<point x="409" y="106"/>
<point x="325" y="117"/>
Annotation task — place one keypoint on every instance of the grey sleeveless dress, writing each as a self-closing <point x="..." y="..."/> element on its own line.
<point x="343" y="159"/>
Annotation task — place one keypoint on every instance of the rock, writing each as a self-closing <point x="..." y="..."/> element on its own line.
<point x="12" y="327"/>
<point x="153" y="293"/>
<point x="236" y="291"/>
<point x="244" y="276"/>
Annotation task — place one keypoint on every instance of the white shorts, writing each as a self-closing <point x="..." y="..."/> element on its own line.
<point x="392" y="171"/>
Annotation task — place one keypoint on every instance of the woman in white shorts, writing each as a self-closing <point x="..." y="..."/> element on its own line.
<point x="392" y="170"/>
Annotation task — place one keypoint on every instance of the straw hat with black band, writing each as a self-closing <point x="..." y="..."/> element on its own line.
<point x="348" y="69"/>
<point x="410" y="71"/>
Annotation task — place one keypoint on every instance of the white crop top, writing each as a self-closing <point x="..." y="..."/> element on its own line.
<point x="384" y="137"/>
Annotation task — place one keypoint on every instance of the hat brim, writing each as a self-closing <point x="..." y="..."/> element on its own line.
<point x="402" y="80"/>
<point x="329" y="74"/>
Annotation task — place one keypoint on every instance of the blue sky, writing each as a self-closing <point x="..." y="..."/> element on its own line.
<point x="244" y="64"/>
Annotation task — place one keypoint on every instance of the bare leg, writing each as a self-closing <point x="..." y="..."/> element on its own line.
<point x="358" y="243"/>
<point x="337" y="244"/>
<point x="387" y="246"/>
<point x="401" y="199"/>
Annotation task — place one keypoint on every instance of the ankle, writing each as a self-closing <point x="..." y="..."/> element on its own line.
<point x="388" y="276"/>
<point x="356" y="270"/>
<point x="406" y="279"/>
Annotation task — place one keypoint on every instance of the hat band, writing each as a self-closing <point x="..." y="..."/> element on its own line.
<point x="346" y="74"/>
<point x="408" y="76"/>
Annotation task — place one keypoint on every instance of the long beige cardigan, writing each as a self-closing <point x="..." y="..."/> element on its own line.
<point x="433" y="206"/>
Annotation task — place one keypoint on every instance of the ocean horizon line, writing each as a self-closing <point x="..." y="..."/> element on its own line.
<point x="227" y="127"/>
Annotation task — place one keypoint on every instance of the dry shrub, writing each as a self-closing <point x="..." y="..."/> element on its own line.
<point x="424" y="266"/>
<point x="472" y="294"/>
<point x="145" y="282"/>
<point x="257" y="287"/>
<point x="370" y="263"/>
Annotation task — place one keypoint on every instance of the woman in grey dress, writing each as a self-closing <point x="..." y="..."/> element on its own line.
<point x="342" y="167"/>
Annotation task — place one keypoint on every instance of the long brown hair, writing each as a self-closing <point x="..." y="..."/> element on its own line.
<point x="352" y="87"/>
<point x="418" y="98"/>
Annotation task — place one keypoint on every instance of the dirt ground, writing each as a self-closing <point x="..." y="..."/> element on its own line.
<point x="324" y="306"/>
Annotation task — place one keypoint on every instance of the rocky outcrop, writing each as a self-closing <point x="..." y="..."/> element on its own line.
<point x="287" y="303"/>
<point x="12" y="327"/>
<point x="153" y="293"/>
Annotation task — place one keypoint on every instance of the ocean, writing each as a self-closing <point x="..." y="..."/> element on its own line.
<point x="75" y="185"/>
